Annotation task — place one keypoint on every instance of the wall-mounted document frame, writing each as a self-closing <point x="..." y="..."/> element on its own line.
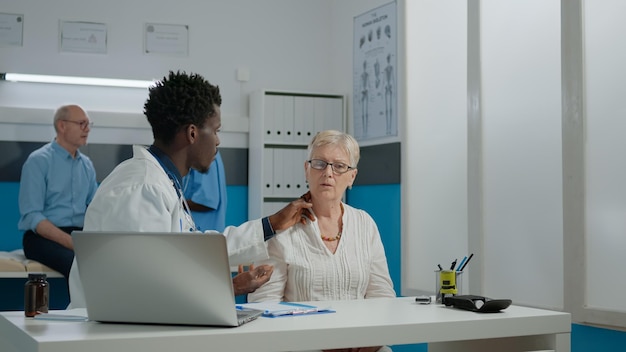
<point x="375" y="89"/>
<point x="82" y="37"/>
<point x="166" y="39"/>
<point x="11" y="29"/>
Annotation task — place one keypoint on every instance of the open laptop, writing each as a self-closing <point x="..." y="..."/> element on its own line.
<point x="157" y="278"/>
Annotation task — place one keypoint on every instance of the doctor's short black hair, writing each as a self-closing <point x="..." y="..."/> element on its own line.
<point x="178" y="100"/>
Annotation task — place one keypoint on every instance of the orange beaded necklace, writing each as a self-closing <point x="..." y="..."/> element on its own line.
<point x="331" y="239"/>
<point x="338" y="236"/>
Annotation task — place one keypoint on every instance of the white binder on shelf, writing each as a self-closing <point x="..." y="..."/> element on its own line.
<point x="288" y="119"/>
<point x="279" y="119"/>
<point x="291" y="169"/>
<point x="320" y="112"/>
<point x="302" y="114"/>
<point x="271" y="128"/>
<point x="279" y="174"/>
<point x="299" y="156"/>
<point x="268" y="172"/>
<point x="288" y="170"/>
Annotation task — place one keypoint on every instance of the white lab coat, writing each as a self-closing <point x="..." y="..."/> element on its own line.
<point x="139" y="196"/>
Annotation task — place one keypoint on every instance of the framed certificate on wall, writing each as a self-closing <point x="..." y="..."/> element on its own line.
<point x="11" y="29"/>
<point x="83" y="37"/>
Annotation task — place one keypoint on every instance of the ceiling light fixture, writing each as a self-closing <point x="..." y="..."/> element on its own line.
<point x="90" y="81"/>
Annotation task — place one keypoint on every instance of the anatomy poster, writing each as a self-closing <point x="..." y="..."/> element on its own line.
<point x="374" y="107"/>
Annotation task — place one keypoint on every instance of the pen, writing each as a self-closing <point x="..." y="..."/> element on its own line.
<point x="461" y="263"/>
<point x="440" y="268"/>
<point x="467" y="261"/>
<point x="279" y="313"/>
<point x="304" y="311"/>
<point x="453" y="265"/>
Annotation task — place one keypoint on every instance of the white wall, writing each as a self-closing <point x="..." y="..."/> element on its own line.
<point x="606" y="165"/>
<point x="519" y="246"/>
<point x="434" y="149"/>
<point x="522" y="200"/>
<point x="285" y="45"/>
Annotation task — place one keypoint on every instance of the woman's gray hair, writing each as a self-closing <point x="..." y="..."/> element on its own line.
<point x="339" y="139"/>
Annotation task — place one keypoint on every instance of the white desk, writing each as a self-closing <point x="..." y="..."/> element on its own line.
<point x="356" y="323"/>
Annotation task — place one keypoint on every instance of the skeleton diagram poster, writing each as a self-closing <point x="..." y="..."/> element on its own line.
<point x="374" y="78"/>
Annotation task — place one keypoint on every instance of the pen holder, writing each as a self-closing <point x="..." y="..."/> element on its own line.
<point x="447" y="283"/>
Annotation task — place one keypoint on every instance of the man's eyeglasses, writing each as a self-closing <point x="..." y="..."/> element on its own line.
<point x="338" y="168"/>
<point x="82" y="124"/>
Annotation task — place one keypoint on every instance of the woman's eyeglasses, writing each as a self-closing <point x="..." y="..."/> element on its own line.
<point x="338" y="168"/>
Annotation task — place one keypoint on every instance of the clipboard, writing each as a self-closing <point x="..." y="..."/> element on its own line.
<point x="282" y="309"/>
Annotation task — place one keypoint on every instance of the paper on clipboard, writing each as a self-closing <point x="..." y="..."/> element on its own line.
<point x="279" y="309"/>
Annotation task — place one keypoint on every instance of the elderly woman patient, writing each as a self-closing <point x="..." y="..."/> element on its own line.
<point x="340" y="256"/>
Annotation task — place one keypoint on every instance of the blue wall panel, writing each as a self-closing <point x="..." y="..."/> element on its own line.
<point x="382" y="202"/>
<point x="12" y="293"/>
<point x="237" y="208"/>
<point x="589" y="338"/>
<point x="10" y="236"/>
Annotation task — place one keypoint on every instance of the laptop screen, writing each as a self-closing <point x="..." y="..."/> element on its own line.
<point x="159" y="278"/>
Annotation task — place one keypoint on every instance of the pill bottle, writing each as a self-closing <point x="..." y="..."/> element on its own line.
<point x="36" y="292"/>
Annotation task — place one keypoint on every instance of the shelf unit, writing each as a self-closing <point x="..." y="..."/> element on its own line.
<point x="281" y="126"/>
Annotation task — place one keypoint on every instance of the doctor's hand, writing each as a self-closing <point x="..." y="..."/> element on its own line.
<point x="295" y="212"/>
<point x="248" y="281"/>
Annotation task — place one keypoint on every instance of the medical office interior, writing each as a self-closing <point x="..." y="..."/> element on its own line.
<point x="508" y="145"/>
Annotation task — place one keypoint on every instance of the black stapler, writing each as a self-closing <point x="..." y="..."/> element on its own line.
<point x="478" y="304"/>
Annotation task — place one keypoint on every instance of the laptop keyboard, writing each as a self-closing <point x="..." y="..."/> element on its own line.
<point x="247" y="315"/>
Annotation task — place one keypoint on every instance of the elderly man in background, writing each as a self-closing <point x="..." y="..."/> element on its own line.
<point x="56" y="185"/>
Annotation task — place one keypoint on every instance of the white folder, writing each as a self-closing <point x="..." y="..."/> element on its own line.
<point x="302" y="114"/>
<point x="279" y="175"/>
<point x="270" y="118"/>
<point x="288" y="119"/>
<point x="268" y="172"/>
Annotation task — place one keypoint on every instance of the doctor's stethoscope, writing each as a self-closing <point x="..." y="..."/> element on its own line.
<point x="167" y="165"/>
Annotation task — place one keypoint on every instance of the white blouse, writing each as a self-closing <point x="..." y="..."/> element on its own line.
<point x="306" y="270"/>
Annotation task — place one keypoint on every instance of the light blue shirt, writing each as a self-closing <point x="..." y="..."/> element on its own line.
<point x="56" y="187"/>
<point x="208" y="189"/>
